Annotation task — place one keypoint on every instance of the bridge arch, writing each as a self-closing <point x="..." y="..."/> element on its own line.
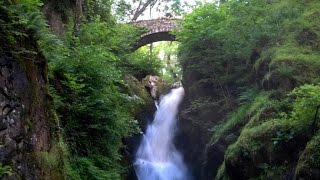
<point x="157" y="30"/>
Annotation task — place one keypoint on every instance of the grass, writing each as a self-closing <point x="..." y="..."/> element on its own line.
<point x="240" y="117"/>
<point x="295" y="53"/>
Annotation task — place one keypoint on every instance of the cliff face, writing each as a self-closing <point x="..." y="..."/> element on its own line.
<point x="251" y="109"/>
<point x="24" y="122"/>
<point x="205" y="105"/>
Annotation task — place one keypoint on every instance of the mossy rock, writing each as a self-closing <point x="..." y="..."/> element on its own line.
<point x="259" y="149"/>
<point x="136" y="88"/>
<point x="308" y="166"/>
<point x="156" y="86"/>
<point x="147" y="108"/>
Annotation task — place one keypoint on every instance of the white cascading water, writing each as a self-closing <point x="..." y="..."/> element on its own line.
<point x="157" y="158"/>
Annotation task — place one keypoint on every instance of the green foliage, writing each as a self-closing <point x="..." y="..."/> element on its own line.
<point x="162" y="61"/>
<point x="94" y="106"/>
<point x="222" y="41"/>
<point x="122" y="10"/>
<point x="140" y="63"/>
<point x="217" y="24"/>
<point x="243" y="113"/>
<point x="94" y="109"/>
<point x="98" y="8"/>
<point x="69" y="168"/>
<point x="86" y="75"/>
<point x="306" y="103"/>
<point x="17" y="21"/>
<point x="295" y="55"/>
<point x="282" y="136"/>
<point x="277" y="134"/>
<point x="5" y="170"/>
<point x="171" y="71"/>
<point x="270" y="45"/>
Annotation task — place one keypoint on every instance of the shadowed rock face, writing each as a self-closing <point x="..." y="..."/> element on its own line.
<point x="24" y="126"/>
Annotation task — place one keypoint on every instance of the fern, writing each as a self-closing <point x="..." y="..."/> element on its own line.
<point x="5" y="170"/>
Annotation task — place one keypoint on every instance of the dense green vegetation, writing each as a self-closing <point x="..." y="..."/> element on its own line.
<point x="95" y="107"/>
<point x="259" y="60"/>
<point x="91" y="96"/>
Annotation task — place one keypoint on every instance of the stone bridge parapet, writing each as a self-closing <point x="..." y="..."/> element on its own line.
<point x="156" y="30"/>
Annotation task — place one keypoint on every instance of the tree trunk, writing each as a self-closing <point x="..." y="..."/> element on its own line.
<point x="77" y="18"/>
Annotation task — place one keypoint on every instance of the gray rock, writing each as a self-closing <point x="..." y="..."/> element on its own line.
<point x="5" y="72"/>
<point x="3" y="124"/>
<point x="7" y="151"/>
<point x="5" y="110"/>
<point x="155" y="86"/>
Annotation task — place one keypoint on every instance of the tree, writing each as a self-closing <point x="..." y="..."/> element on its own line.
<point x="77" y="17"/>
<point x="132" y="10"/>
<point x="142" y="7"/>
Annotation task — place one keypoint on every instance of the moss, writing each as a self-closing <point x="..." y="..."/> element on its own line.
<point x="308" y="166"/>
<point x="298" y="63"/>
<point x="271" y="172"/>
<point x="57" y="161"/>
<point x="255" y="146"/>
<point x="5" y="170"/>
<point x="256" y="119"/>
<point x="248" y="142"/>
<point x="290" y="64"/>
<point x="29" y="122"/>
<point x="221" y="175"/>
<point x="293" y="57"/>
<point x="135" y="88"/>
<point x="240" y="117"/>
<point x="262" y="148"/>
<point x="50" y="159"/>
<point x="146" y="105"/>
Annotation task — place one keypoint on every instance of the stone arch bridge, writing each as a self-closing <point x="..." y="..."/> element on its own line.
<point x="157" y="30"/>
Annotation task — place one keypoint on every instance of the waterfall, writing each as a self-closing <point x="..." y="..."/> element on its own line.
<point x="157" y="158"/>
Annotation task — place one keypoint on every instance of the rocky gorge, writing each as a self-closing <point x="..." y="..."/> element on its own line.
<point x="76" y="102"/>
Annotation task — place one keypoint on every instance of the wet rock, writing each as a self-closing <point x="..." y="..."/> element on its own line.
<point x="3" y="125"/>
<point x="155" y="86"/>
<point x="176" y="85"/>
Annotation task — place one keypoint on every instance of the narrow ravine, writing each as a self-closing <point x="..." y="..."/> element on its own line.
<point x="157" y="157"/>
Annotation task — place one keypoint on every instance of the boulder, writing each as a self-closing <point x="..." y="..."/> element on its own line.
<point x="156" y="86"/>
